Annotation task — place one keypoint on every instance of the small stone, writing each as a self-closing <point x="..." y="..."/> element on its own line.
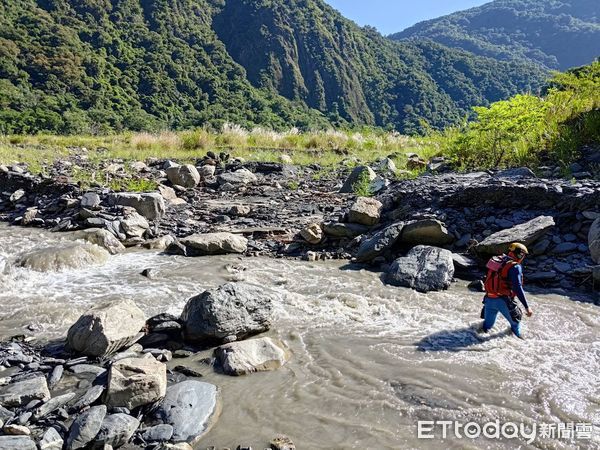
<point x="158" y="433"/>
<point x="365" y="211"/>
<point x="312" y="233"/>
<point x="282" y="443"/>
<point x="51" y="440"/>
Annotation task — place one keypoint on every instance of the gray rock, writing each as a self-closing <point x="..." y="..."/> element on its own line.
<point x="85" y="427"/>
<point x="254" y="355"/>
<point x="116" y="430"/>
<point x="386" y="165"/>
<point x="207" y="171"/>
<point x="344" y="230"/>
<point x="365" y="211"/>
<point x="526" y="233"/>
<point x="133" y="224"/>
<point x="51" y="440"/>
<point x="214" y="244"/>
<point x="87" y="368"/>
<point x="134" y="382"/>
<point x="240" y="176"/>
<point x="17" y="443"/>
<point x="106" y="328"/>
<point x="379" y="243"/>
<point x="355" y="175"/>
<point x="90" y="200"/>
<point x="158" y="433"/>
<point x="236" y="309"/>
<point x="312" y="233"/>
<point x="186" y="176"/>
<point x="282" y="443"/>
<point x="19" y="194"/>
<point x="594" y="240"/>
<point x="190" y="407"/>
<point x="160" y="243"/>
<point x="150" y="205"/>
<point x="565" y="247"/>
<point x="22" y="392"/>
<point x="52" y="405"/>
<point x="563" y="267"/>
<point x="102" y="238"/>
<point x="542" y="276"/>
<point x="89" y="397"/>
<point x="540" y="247"/>
<point x="423" y="269"/>
<point x="63" y="257"/>
<point x="426" y="232"/>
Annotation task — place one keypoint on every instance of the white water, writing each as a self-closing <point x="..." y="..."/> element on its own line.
<point x="369" y="360"/>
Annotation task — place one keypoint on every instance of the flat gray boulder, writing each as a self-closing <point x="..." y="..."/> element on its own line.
<point x="70" y="255"/>
<point x="186" y="175"/>
<point x="190" y="407"/>
<point x="85" y="427"/>
<point x="344" y="230"/>
<point x="214" y="244"/>
<point x="101" y="237"/>
<point x="424" y="269"/>
<point x="17" y="443"/>
<point x="134" y="382"/>
<point x="594" y="240"/>
<point x="253" y="355"/>
<point x="133" y="224"/>
<point x="233" y="309"/>
<point x="116" y="430"/>
<point x="22" y="392"/>
<point x="377" y="244"/>
<point x="240" y="176"/>
<point x="150" y="205"/>
<point x="426" y="232"/>
<point x="106" y="328"/>
<point x="526" y="233"/>
<point x="51" y="440"/>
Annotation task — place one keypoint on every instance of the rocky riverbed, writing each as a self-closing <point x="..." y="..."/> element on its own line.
<point x="111" y="380"/>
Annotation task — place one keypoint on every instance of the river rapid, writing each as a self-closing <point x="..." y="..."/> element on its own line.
<point x="369" y="360"/>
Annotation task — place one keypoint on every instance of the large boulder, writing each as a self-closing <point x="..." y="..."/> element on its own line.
<point x="426" y="232"/>
<point x="214" y="244"/>
<point x="594" y="240"/>
<point x="85" y="427"/>
<point x="151" y="206"/>
<point x="106" y="328"/>
<point x="526" y="233"/>
<point x="365" y="211"/>
<point x="377" y="244"/>
<point x="22" y="392"/>
<point x="65" y="256"/>
<point x="186" y="176"/>
<point x="240" y="176"/>
<point x="101" y="237"/>
<point x="254" y="355"/>
<point x="134" y="382"/>
<point x="233" y="309"/>
<point x="116" y="430"/>
<point x="17" y="443"/>
<point x="355" y="176"/>
<point x="423" y="269"/>
<point x="190" y="407"/>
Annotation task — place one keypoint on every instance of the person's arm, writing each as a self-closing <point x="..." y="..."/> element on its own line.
<point x="516" y="276"/>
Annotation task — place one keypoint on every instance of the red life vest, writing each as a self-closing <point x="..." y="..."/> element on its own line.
<point x="497" y="283"/>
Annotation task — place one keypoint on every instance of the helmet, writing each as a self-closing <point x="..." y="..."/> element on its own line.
<point x="517" y="247"/>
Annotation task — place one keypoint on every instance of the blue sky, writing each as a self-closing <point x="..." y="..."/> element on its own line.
<point x="390" y="16"/>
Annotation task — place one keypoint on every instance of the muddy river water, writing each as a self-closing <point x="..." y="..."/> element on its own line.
<point x="369" y="361"/>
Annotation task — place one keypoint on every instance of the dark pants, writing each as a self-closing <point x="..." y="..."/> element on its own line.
<point x="493" y="306"/>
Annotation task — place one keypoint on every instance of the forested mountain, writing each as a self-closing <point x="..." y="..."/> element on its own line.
<point x="556" y="34"/>
<point x="102" y="65"/>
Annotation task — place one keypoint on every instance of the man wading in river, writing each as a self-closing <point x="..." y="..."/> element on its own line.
<point x="503" y="283"/>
